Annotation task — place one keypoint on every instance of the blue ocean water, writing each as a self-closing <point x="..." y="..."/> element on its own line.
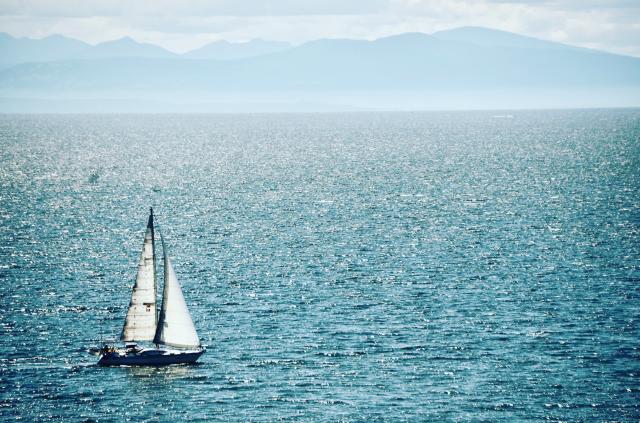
<point x="467" y="266"/>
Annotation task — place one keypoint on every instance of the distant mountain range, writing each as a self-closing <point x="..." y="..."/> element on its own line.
<point x="14" y="51"/>
<point x="22" y="50"/>
<point x="123" y="48"/>
<point x="413" y="66"/>
<point x="224" y="50"/>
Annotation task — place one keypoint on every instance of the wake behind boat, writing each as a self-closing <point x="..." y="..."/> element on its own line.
<point x="174" y="337"/>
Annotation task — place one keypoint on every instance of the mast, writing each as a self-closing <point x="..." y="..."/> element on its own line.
<point x="153" y="251"/>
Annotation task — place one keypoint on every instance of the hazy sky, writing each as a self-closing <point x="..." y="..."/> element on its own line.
<point x="181" y="25"/>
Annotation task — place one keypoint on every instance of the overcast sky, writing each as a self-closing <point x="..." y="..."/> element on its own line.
<point x="181" y="25"/>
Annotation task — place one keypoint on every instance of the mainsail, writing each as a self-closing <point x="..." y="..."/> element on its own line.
<point x="140" y="323"/>
<point x="175" y="327"/>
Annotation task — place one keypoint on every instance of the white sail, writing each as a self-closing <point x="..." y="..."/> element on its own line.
<point x="140" y="323"/>
<point x="175" y="327"/>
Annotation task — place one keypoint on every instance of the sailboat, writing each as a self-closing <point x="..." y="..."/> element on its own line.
<point x="172" y="332"/>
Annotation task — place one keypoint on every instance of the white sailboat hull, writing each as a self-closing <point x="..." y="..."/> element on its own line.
<point x="149" y="357"/>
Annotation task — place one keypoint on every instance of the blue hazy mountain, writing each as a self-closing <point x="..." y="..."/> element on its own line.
<point x="419" y="61"/>
<point x="124" y="47"/>
<point x="20" y="50"/>
<point x="495" y="38"/>
<point x="416" y="68"/>
<point x="225" y="50"/>
<point x="57" y="47"/>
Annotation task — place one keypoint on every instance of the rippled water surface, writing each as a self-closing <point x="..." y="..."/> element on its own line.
<point x="358" y="267"/>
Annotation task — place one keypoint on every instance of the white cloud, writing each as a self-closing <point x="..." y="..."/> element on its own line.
<point x="201" y="8"/>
